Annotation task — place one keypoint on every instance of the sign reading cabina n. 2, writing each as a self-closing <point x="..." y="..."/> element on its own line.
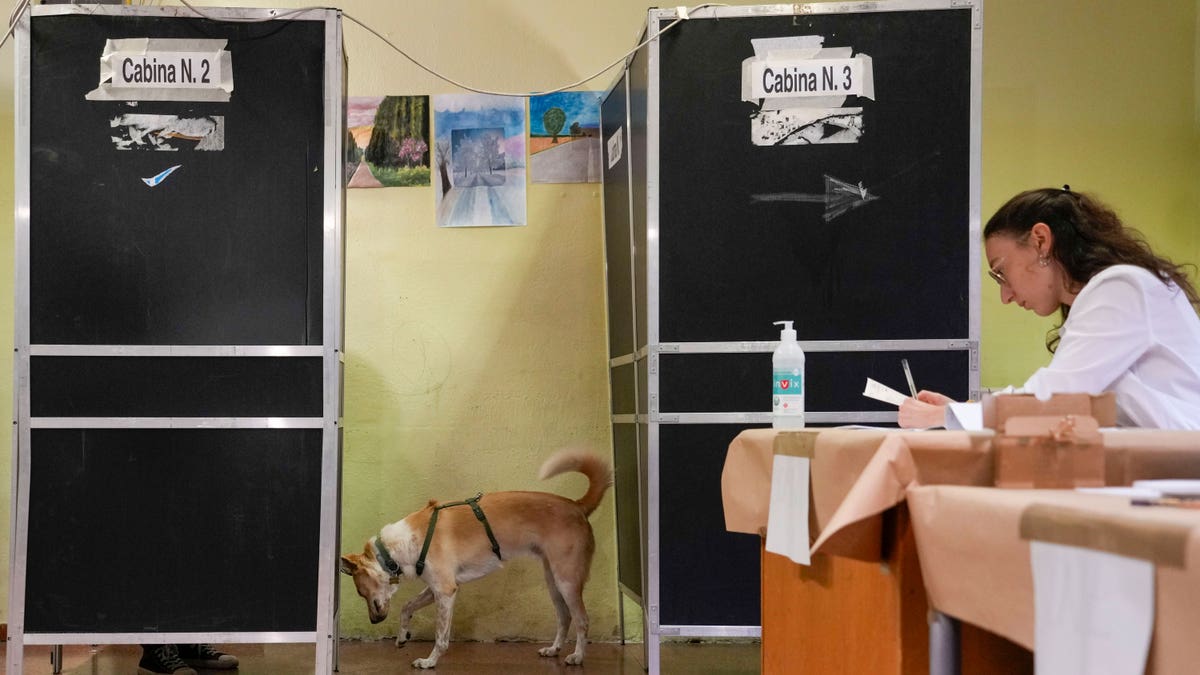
<point x="161" y="69"/>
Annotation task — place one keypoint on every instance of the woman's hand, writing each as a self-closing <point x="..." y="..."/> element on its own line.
<point x="928" y="409"/>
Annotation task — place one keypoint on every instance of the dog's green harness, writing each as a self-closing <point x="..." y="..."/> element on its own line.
<point x="393" y="567"/>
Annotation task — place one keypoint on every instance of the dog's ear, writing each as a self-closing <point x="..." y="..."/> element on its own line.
<point x="349" y="564"/>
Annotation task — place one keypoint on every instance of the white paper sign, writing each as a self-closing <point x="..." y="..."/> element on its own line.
<point x="190" y="70"/>
<point x="787" y="78"/>
<point x="614" y="148"/>
<point x="787" y="515"/>
<point x="164" y="69"/>
<point x="1093" y="611"/>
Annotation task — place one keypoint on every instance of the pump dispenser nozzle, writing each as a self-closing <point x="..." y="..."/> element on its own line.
<point x="787" y="333"/>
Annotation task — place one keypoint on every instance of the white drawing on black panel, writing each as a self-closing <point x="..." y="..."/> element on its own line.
<point x="839" y="197"/>
<point x="154" y="181"/>
<point x="168" y="132"/>
<point x="804" y="126"/>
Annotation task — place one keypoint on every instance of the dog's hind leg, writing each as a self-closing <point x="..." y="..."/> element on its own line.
<point x="560" y="607"/>
<point x="445" y="612"/>
<point x="569" y="576"/>
<point x="572" y="594"/>
<point x="423" y="599"/>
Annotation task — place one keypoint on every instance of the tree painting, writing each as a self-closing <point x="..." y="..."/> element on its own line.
<point x="553" y="120"/>
<point x="480" y="157"/>
<point x="393" y="135"/>
<point x="564" y="137"/>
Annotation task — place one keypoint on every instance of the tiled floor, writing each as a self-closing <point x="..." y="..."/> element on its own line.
<point x="463" y="658"/>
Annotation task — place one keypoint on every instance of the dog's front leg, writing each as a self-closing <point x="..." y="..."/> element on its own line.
<point x="423" y="599"/>
<point x="445" y="612"/>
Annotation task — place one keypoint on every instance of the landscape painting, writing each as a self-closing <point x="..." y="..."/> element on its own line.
<point x="387" y="142"/>
<point x="479" y="160"/>
<point x="564" y="137"/>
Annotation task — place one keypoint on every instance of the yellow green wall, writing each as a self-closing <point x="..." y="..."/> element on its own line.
<point x="1101" y="96"/>
<point x="471" y="354"/>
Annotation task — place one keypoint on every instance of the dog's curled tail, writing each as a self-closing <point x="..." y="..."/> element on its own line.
<point x="598" y="472"/>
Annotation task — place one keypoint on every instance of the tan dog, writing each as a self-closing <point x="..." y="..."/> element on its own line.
<point x="539" y="524"/>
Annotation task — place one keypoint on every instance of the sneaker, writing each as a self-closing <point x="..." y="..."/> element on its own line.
<point x="160" y="659"/>
<point x="204" y="656"/>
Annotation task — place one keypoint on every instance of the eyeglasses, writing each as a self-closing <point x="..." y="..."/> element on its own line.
<point x="997" y="275"/>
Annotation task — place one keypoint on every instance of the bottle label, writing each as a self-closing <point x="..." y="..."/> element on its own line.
<point x="787" y="397"/>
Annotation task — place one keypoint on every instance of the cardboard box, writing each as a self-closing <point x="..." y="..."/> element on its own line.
<point x="999" y="407"/>
<point x="1055" y="452"/>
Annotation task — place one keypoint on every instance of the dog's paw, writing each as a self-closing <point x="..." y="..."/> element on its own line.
<point x="424" y="663"/>
<point x="574" y="660"/>
<point x="402" y="638"/>
<point x="548" y="651"/>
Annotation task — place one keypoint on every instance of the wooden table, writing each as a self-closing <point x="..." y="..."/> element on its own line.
<point x="861" y="606"/>
<point x="970" y="544"/>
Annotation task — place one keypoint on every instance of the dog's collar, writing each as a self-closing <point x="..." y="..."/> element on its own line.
<point x="386" y="561"/>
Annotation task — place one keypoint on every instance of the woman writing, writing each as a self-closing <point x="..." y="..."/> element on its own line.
<point x="1129" y="322"/>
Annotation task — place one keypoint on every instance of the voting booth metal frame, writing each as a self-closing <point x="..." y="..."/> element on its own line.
<point x="257" y="421"/>
<point x="686" y="379"/>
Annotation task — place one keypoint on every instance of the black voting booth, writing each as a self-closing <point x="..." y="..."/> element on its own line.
<point x="179" y="327"/>
<point x="717" y="225"/>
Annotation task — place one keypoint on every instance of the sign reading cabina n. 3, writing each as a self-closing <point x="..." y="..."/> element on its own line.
<point x="801" y="88"/>
<point x="771" y="78"/>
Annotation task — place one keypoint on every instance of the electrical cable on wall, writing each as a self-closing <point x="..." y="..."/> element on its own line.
<point x="622" y="59"/>
<point x="684" y="14"/>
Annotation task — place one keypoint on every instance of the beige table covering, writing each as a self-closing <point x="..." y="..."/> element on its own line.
<point x="976" y="564"/>
<point x="858" y="474"/>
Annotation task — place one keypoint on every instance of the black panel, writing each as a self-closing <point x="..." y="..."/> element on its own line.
<point x="621" y="379"/>
<point x="708" y="576"/>
<point x="618" y="248"/>
<point x="227" y="249"/>
<point x="150" y="531"/>
<point x="89" y="386"/>
<point x="625" y="486"/>
<point x="739" y="382"/>
<point x="639" y="79"/>
<point x="894" y="268"/>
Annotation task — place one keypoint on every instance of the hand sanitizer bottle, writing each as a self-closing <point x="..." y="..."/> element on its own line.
<point x="787" y="396"/>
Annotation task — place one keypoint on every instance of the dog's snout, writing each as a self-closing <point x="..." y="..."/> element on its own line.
<point x="379" y="611"/>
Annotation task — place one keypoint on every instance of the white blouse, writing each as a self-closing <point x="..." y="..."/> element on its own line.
<point x="1130" y="333"/>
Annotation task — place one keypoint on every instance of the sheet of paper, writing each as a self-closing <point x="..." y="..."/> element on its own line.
<point x="964" y="416"/>
<point x="1093" y="611"/>
<point x="1122" y="491"/>
<point x="787" y="515"/>
<point x="882" y="392"/>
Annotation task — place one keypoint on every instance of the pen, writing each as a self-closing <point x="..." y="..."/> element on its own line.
<point x="908" y="374"/>
<point x="1168" y="501"/>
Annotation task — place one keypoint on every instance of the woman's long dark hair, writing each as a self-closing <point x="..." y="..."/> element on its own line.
<point x="1088" y="238"/>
